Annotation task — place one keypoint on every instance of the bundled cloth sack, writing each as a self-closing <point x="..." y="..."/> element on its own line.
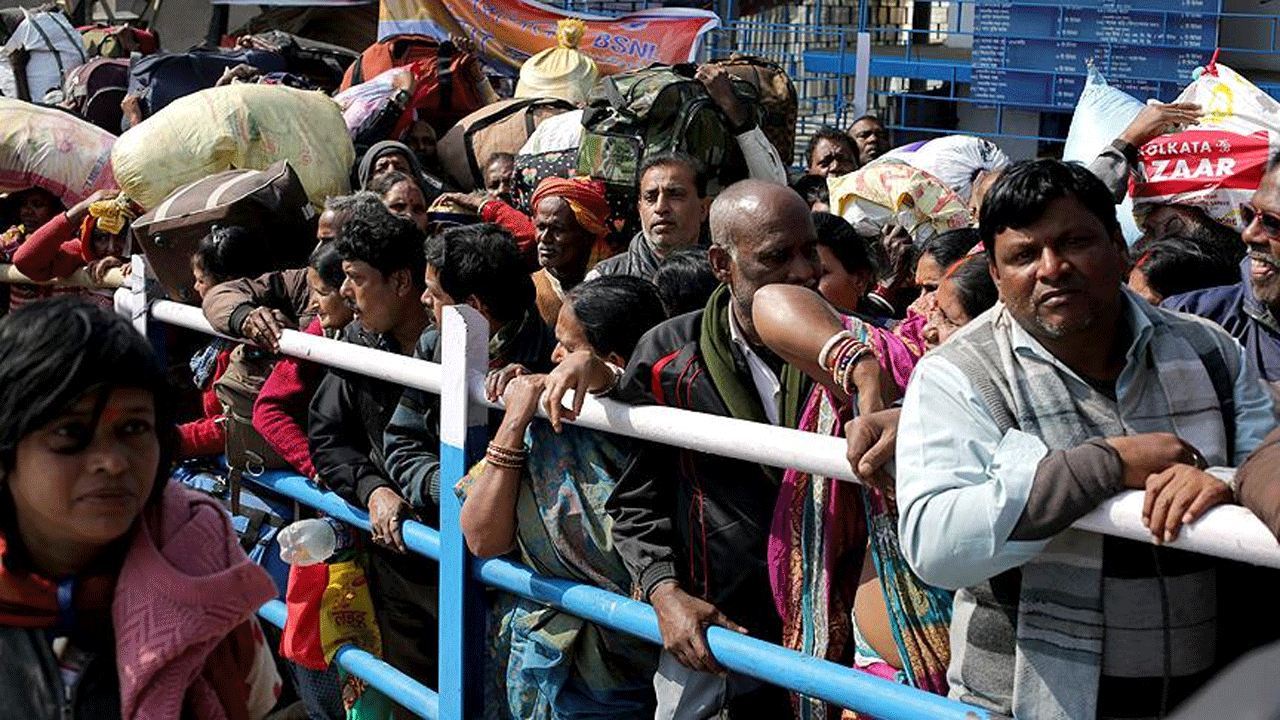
<point x="501" y="127"/>
<point x="51" y="149"/>
<point x="47" y="47"/>
<point x="236" y="126"/>
<point x="956" y="160"/>
<point x="895" y="193"/>
<point x="1216" y="164"/>
<point x="1102" y="113"/>
<point x="560" y="71"/>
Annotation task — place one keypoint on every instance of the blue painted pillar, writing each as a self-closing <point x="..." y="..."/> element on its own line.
<point x="463" y="438"/>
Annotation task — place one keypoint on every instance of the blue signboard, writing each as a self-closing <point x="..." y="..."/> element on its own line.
<point x="1034" y="52"/>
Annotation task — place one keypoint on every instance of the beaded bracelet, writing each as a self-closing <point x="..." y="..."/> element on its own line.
<point x="505" y="457"/>
<point x="842" y="373"/>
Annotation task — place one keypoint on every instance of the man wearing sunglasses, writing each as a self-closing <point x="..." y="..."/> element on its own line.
<point x="1250" y="309"/>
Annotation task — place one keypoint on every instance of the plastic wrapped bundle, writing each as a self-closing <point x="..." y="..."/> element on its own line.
<point x="1217" y="164"/>
<point x="236" y="127"/>
<point x="52" y="149"/>
<point x="560" y="71"/>
<point x="895" y="193"/>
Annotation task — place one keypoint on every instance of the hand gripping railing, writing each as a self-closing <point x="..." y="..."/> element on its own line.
<point x="1227" y="531"/>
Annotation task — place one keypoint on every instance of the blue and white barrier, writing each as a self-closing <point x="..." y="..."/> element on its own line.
<point x="1228" y="531"/>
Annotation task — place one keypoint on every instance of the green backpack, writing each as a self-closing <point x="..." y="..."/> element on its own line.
<point x="635" y="114"/>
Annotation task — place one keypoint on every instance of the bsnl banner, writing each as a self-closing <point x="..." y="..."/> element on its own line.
<point x="508" y="32"/>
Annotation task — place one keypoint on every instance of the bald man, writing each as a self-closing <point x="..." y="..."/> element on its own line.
<point x="691" y="527"/>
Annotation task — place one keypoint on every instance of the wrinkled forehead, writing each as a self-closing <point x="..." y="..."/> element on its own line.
<point x="1267" y="196"/>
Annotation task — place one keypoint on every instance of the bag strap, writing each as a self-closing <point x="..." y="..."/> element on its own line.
<point x="73" y="37"/>
<point x="613" y="95"/>
<point x="57" y="56"/>
<point x="444" y="75"/>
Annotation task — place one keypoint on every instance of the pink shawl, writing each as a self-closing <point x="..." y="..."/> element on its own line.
<point x="184" y="587"/>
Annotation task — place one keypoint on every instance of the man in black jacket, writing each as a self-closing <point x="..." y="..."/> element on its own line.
<point x="691" y="527"/>
<point x="480" y="266"/>
<point x="383" y="261"/>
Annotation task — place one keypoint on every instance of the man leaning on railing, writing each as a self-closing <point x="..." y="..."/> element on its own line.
<point x="694" y="540"/>
<point x="1052" y="402"/>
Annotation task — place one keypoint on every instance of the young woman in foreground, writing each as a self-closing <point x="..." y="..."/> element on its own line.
<point x="122" y="595"/>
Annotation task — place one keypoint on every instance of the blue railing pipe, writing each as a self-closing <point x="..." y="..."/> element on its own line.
<point x="765" y="661"/>
<point x="389" y="681"/>
<point x="419" y="538"/>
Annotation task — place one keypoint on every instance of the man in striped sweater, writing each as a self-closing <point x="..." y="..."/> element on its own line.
<point x="1065" y="393"/>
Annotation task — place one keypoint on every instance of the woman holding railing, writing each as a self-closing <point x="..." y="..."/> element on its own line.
<point x="542" y="493"/>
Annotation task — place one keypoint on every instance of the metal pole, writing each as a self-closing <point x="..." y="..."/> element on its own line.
<point x="138" y="289"/>
<point x="862" y="74"/>
<point x="463" y="435"/>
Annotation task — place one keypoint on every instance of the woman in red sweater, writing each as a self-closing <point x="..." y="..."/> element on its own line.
<point x="280" y="414"/>
<point x="226" y="253"/>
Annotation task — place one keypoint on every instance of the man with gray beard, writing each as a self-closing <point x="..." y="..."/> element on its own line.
<point x="1249" y="309"/>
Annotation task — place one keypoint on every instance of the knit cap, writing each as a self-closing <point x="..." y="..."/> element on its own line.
<point x="561" y="71"/>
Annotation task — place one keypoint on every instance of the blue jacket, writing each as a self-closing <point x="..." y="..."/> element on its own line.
<point x="1238" y="310"/>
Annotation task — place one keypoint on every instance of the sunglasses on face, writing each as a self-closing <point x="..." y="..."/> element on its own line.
<point x="1270" y="221"/>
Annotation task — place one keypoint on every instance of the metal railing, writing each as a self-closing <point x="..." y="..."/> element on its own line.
<point x="80" y="278"/>
<point x="1227" y="531"/>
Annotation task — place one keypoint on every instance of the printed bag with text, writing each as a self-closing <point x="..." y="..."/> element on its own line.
<point x="346" y="614"/>
<point x="1217" y="164"/>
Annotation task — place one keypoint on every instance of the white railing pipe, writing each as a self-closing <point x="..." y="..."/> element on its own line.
<point x="1228" y="531"/>
<point x="113" y="278"/>
<point x="400" y="369"/>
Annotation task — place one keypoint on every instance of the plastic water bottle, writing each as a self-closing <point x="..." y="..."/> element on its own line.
<point x="311" y="541"/>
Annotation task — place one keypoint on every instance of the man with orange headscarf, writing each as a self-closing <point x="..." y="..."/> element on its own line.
<point x="570" y="226"/>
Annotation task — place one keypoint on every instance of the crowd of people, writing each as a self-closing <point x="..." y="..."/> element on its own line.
<point x="1022" y="368"/>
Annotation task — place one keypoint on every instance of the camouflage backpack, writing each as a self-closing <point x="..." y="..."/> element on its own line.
<point x="635" y="114"/>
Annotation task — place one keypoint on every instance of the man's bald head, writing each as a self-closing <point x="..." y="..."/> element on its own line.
<point x="761" y="234"/>
<point x="750" y="205"/>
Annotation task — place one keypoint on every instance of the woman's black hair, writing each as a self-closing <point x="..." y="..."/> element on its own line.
<point x="383" y="183"/>
<point x="53" y="352"/>
<point x="327" y="262"/>
<point x="813" y="188"/>
<point x="615" y="311"/>
<point x="685" y="280"/>
<point x="950" y="247"/>
<point x="974" y="286"/>
<point x="837" y="235"/>
<point x="231" y="252"/>
<point x="1175" y="264"/>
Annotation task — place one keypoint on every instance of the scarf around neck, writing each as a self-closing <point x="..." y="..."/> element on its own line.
<point x="738" y="392"/>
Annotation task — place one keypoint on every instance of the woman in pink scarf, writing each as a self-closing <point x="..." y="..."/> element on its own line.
<point x="121" y="595"/>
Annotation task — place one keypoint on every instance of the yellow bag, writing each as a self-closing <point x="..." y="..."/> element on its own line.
<point x="346" y="613"/>
<point x="240" y="127"/>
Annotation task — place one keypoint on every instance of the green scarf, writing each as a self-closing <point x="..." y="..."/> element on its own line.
<point x="741" y="397"/>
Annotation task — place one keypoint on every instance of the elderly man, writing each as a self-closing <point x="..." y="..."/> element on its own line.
<point x="1249" y="309"/>
<point x="570" y="224"/>
<point x="1065" y="393"/>
<point x="692" y="527"/>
